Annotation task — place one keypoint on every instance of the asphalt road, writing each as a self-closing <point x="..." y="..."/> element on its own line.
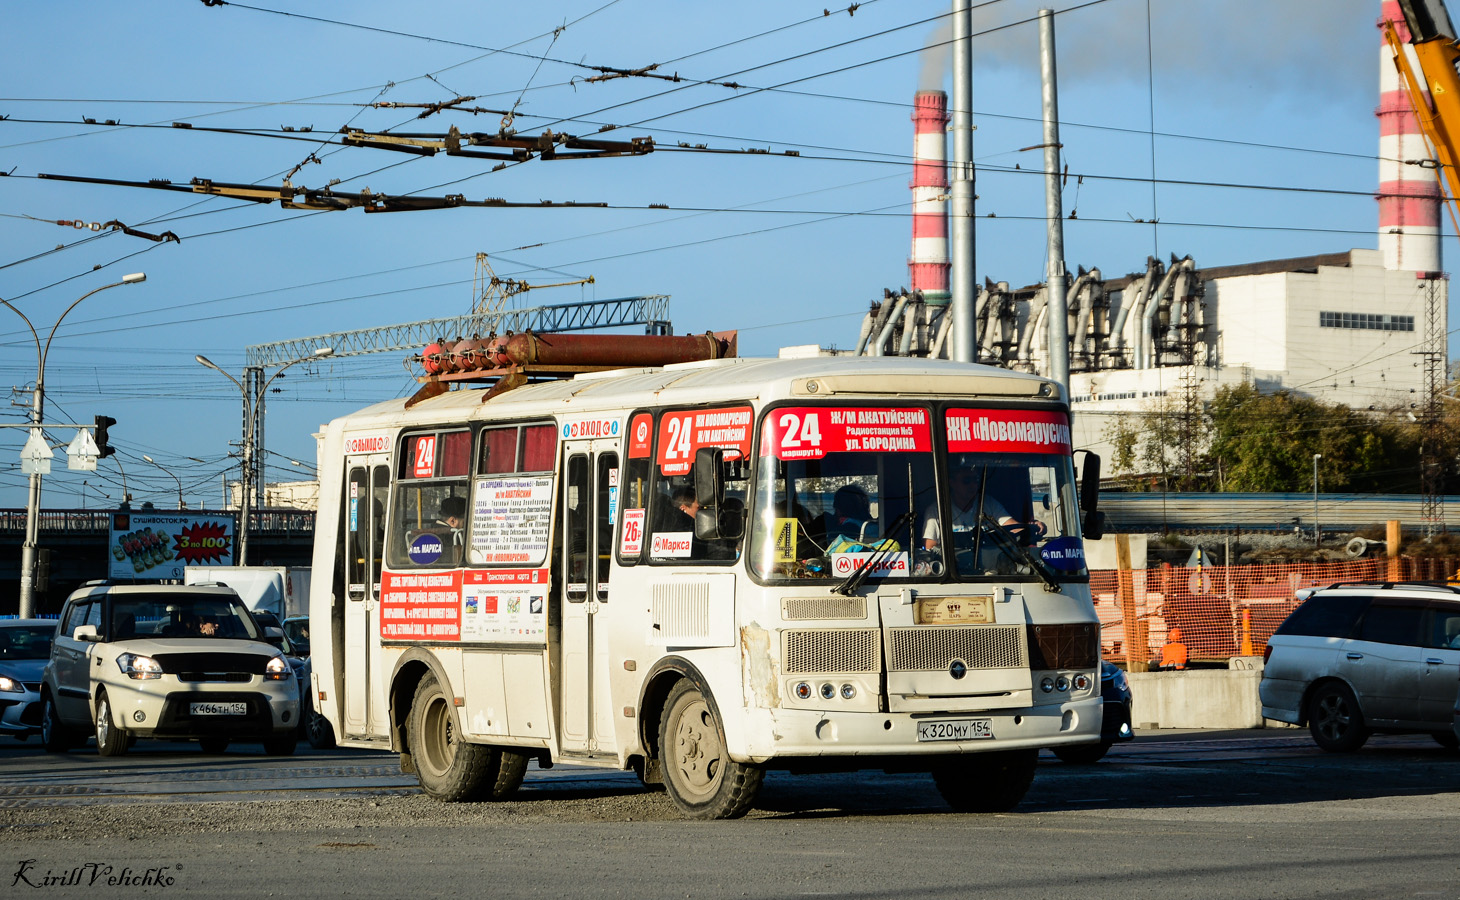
<point x="1260" y="814"/>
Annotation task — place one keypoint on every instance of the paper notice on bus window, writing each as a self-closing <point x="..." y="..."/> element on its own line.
<point x="420" y="606"/>
<point x="633" y="536"/>
<point x="510" y="519"/>
<point x="672" y="544"/>
<point x="1007" y="431"/>
<point x="793" y="432"/>
<point x="891" y="565"/>
<point x="505" y="606"/>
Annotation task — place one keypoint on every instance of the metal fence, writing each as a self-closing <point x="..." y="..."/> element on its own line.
<point x="1223" y="611"/>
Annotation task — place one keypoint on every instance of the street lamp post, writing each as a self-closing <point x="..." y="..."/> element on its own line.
<point x="180" y="504"/>
<point x="253" y="400"/>
<point x="37" y="411"/>
<point x="1317" y="532"/>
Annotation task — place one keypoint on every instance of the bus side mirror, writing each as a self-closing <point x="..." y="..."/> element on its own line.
<point x="1093" y="526"/>
<point x="709" y="478"/>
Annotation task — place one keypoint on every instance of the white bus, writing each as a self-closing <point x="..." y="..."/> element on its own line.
<point x="704" y="571"/>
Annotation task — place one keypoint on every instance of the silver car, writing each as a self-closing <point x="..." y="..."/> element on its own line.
<point x="25" y="645"/>
<point x="165" y="661"/>
<point x="1360" y="658"/>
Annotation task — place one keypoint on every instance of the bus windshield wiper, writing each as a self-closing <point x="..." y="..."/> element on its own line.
<point x="1007" y="542"/>
<point x="853" y="581"/>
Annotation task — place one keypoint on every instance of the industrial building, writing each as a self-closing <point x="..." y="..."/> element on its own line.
<point x="1349" y="327"/>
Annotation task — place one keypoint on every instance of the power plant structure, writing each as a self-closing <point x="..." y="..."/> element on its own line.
<point x="1344" y="327"/>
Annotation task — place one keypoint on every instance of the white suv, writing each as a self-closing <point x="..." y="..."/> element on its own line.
<point x="165" y="661"/>
<point x="1367" y="657"/>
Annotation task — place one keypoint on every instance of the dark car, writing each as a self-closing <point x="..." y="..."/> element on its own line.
<point x="25" y="645"/>
<point x="1115" y="726"/>
<point x="316" y="728"/>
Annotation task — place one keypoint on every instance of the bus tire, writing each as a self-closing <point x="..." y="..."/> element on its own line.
<point x="987" y="782"/>
<point x="449" y="768"/>
<point x="510" y="768"/>
<point x="699" y="775"/>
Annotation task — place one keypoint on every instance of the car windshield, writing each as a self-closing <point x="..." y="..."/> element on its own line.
<point x="297" y="633"/>
<point x="180" y="615"/>
<point x="26" y="641"/>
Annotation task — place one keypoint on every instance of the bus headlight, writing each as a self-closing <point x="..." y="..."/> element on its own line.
<point x="803" y="691"/>
<point x="1047" y="684"/>
<point x="1082" y="682"/>
<point x="828" y="691"/>
<point x="1062" y="683"/>
<point x="849" y="691"/>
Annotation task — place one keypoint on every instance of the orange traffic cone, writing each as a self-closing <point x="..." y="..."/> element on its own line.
<point x="1246" y="632"/>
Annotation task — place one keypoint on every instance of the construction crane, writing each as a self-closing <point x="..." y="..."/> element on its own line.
<point x="490" y="293"/>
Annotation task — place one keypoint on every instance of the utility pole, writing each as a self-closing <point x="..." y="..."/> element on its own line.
<point x="962" y="286"/>
<point x="1059" y="323"/>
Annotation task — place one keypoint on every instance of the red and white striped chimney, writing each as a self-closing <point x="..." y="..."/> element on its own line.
<point x="1409" y="196"/>
<point x="929" y="266"/>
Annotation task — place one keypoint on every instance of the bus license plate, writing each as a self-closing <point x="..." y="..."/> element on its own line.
<point x="218" y="709"/>
<point x="956" y="730"/>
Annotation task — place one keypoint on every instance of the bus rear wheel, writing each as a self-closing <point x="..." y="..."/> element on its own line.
<point x="699" y="775"/>
<point x="449" y="767"/>
<point x="986" y="782"/>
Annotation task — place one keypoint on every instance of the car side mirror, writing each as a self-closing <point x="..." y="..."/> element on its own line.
<point x="86" y="633"/>
<point x="274" y="636"/>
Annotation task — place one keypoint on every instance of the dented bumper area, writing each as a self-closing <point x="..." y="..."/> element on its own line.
<point x="780" y="736"/>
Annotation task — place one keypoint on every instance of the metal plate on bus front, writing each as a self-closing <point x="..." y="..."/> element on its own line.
<point x="954" y="610"/>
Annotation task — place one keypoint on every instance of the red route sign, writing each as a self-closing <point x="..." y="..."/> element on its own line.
<point x="1007" y="431"/>
<point x="811" y="432"/>
<point x="682" y="432"/>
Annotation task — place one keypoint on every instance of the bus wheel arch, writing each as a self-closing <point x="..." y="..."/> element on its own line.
<point x="413" y="665"/>
<point x="660" y="681"/>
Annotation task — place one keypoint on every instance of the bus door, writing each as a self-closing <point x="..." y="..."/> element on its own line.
<point x="588" y="508"/>
<point x="366" y="491"/>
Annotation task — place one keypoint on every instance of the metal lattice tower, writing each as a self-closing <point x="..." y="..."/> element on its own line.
<point x="1432" y="451"/>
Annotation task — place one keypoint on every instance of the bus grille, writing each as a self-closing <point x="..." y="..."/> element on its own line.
<point x="1072" y="646"/>
<point x="933" y="648"/>
<point x="800" y="608"/>
<point x="840" y="651"/>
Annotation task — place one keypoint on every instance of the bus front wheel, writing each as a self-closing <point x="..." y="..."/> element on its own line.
<point x="699" y="775"/>
<point x="988" y="782"/>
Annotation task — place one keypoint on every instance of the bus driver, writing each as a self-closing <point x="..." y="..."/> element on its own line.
<point x="965" y="488"/>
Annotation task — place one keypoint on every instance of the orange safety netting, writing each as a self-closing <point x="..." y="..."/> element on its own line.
<point x="1219" y="612"/>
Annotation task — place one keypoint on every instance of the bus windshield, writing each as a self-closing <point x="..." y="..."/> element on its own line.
<point x="842" y="489"/>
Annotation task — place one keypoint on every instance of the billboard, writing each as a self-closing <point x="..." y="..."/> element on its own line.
<point x="152" y="545"/>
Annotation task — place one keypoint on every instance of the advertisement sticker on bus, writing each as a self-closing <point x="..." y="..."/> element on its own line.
<point x="890" y="565"/>
<point x="505" y="605"/>
<point x="420" y="606"/>
<point x="683" y="432"/>
<point x="672" y="544"/>
<point x="811" y="432"/>
<point x="1007" y="431"/>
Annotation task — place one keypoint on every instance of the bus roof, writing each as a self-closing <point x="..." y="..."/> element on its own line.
<point x="725" y="380"/>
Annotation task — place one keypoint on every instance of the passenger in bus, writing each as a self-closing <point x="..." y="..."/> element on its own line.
<point x="686" y="502"/>
<point x="850" y="511"/>
<point x="453" y="516"/>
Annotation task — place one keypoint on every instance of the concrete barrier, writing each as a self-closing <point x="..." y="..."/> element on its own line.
<point x="1199" y="698"/>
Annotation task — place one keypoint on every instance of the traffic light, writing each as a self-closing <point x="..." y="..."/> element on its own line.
<point x="102" y="424"/>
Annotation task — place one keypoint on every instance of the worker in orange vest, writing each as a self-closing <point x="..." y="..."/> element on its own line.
<point x="1173" y="655"/>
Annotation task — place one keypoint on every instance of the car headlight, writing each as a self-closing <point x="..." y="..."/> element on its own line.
<point x="1120" y="681"/>
<point x="139" y="667"/>
<point x="9" y="685"/>
<point x="278" y="670"/>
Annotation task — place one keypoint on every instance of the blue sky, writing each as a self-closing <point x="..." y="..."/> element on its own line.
<point x="1232" y="99"/>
